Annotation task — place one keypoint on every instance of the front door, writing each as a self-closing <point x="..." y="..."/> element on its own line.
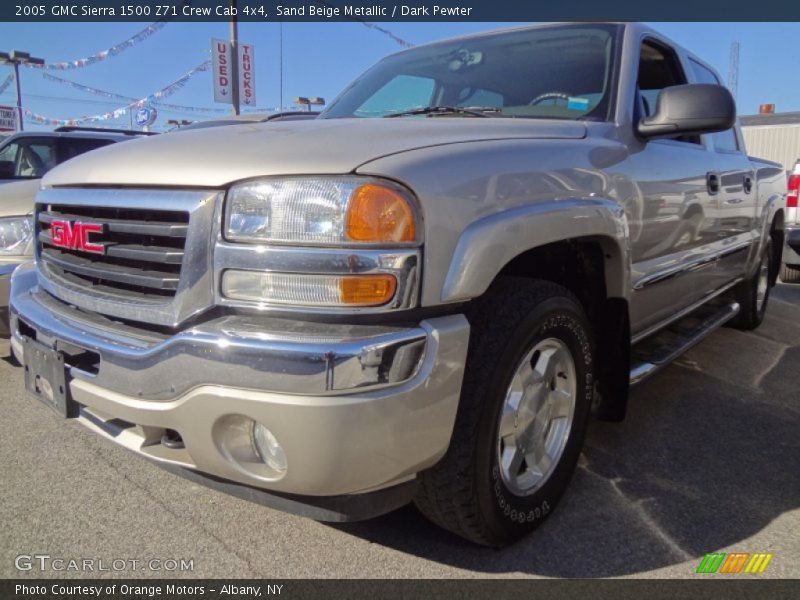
<point x="673" y="224"/>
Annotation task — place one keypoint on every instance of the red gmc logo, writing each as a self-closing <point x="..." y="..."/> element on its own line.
<point x="74" y="235"/>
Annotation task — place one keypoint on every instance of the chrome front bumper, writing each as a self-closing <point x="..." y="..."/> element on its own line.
<point x="356" y="408"/>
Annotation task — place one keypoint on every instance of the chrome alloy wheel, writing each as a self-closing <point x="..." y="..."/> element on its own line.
<point x="536" y="416"/>
<point x="763" y="282"/>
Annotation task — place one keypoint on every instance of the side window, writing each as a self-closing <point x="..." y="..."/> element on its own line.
<point x="46" y="155"/>
<point x="659" y="68"/>
<point x="31" y="159"/>
<point x="9" y="153"/>
<point x="401" y="93"/>
<point x="724" y="141"/>
<point x="72" y="147"/>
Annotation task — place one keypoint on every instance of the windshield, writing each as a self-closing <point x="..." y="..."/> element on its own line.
<point x="560" y="72"/>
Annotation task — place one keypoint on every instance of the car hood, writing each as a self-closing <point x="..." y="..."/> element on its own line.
<point x="17" y="198"/>
<point x="217" y="156"/>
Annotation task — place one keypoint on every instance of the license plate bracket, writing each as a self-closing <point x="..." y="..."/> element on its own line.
<point x="46" y="378"/>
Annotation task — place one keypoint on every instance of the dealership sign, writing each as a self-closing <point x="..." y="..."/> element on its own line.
<point x="222" y="59"/>
<point x="247" y="75"/>
<point x="221" y="63"/>
<point x="8" y="118"/>
<point x="146" y="116"/>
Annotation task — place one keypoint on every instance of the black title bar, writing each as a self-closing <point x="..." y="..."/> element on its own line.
<point x="389" y="10"/>
<point x="701" y="588"/>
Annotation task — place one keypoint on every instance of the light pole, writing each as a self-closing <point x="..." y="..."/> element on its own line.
<point x="17" y="58"/>
<point x="234" y="57"/>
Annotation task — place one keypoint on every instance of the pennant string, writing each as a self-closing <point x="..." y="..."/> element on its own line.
<point x="400" y="41"/>
<point x="120" y="97"/>
<point x="6" y="82"/>
<point x="114" y="50"/>
<point x="123" y="110"/>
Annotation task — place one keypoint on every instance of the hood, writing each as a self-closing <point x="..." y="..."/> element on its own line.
<point x="217" y="156"/>
<point x="17" y="198"/>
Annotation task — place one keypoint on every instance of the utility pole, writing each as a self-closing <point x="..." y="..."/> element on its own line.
<point x="15" y="59"/>
<point x="234" y="57"/>
<point x="280" y="52"/>
<point x="733" y="70"/>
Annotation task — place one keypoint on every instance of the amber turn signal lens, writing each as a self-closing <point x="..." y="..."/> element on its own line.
<point x="367" y="290"/>
<point x="379" y="214"/>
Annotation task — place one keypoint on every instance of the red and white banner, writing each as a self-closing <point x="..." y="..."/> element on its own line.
<point x="221" y="62"/>
<point x="247" y="75"/>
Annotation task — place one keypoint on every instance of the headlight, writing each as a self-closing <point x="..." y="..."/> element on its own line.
<point x="15" y="235"/>
<point x="320" y="211"/>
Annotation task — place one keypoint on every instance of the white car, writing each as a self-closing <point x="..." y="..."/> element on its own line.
<point x="790" y="267"/>
<point x="24" y="159"/>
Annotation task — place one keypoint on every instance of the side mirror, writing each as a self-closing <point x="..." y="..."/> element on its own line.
<point x="689" y="109"/>
<point x="6" y="169"/>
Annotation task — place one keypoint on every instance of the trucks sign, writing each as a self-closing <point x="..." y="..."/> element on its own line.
<point x="247" y="75"/>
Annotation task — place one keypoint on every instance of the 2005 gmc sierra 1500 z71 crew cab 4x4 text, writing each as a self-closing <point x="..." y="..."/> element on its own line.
<point x="423" y="294"/>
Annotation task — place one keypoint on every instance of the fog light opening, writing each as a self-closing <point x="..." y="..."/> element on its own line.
<point x="268" y="449"/>
<point x="172" y="440"/>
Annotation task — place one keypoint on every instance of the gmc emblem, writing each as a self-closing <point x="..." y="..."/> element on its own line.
<point x="74" y="235"/>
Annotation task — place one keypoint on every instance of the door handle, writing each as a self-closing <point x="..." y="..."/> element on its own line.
<point x="712" y="183"/>
<point x="748" y="184"/>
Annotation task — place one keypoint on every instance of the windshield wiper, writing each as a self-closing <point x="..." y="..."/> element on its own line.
<point x="474" y="111"/>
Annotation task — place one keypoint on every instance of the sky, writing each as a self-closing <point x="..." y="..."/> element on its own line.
<point x="320" y="59"/>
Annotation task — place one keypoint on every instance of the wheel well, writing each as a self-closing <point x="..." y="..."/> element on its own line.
<point x="580" y="265"/>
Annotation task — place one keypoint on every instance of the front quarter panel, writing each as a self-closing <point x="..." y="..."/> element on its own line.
<point x="485" y="203"/>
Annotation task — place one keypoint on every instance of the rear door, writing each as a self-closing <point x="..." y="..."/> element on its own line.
<point x="735" y="221"/>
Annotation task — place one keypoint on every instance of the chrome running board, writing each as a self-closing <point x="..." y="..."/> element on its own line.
<point x="657" y="351"/>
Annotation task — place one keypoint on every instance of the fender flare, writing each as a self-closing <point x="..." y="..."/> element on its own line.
<point x="490" y="243"/>
<point x="774" y="204"/>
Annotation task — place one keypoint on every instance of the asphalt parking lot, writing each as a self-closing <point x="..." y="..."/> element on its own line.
<point x="707" y="460"/>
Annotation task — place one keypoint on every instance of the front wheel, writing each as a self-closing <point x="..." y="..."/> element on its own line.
<point x="522" y="417"/>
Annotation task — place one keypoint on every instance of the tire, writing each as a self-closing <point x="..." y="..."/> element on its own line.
<point x="753" y="294"/>
<point x="468" y="492"/>
<point x="790" y="274"/>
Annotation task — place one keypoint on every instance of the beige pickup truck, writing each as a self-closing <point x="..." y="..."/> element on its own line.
<point x="422" y="294"/>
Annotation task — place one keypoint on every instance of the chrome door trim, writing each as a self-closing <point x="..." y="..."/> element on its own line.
<point x="690" y="265"/>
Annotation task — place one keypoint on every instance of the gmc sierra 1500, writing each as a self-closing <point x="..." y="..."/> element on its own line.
<point x="422" y="294"/>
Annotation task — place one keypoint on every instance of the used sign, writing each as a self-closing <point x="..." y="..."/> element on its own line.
<point x="221" y="62"/>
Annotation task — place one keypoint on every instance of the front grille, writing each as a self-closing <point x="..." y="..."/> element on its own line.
<point x="142" y="249"/>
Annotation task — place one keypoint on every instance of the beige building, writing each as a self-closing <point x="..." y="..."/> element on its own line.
<point x="774" y="136"/>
